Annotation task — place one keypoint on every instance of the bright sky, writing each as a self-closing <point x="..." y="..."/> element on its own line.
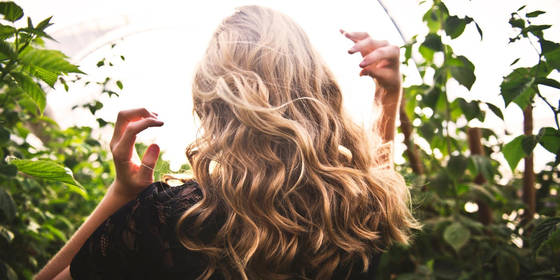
<point x="162" y="43"/>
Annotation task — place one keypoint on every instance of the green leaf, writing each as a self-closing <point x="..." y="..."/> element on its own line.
<point x="7" y="206"/>
<point x="431" y="17"/>
<point x="433" y="41"/>
<point x="534" y="14"/>
<point x="548" y="82"/>
<point x="11" y="11"/>
<point x="427" y="53"/>
<point x="517" y="87"/>
<point x="508" y="265"/>
<point x="45" y="75"/>
<point x="6" y="31"/>
<point x="9" y="273"/>
<point x="50" y="60"/>
<point x="32" y="89"/>
<point x="550" y="139"/>
<point x="515" y="61"/>
<point x="120" y="85"/>
<point x="495" y="110"/>
<point x="462" y="70"/>
<point x="551" y="246"/>
<point x="56" y="232"/>
<point x="463" y="75"/>
<point x="7" y="50"/>
<point x="551" y="52"/>
<point x="513" y="151"/>
<point x="454" y="26"/>
<point x="29" y="32"/>
<point x="536" y="30"/>
<point x="431" y="97"/>
<point x="479" y="30"/>
<point x="528" y="143"/>
<point x="517" y="22"/>
<point x="49" y="170"/>
<point x="456" y="166"/>
<point x="44" y="24"/>
<point x="427" y="130"/>
<point x="9" y="170"/>
<point x="542" y="231"/>
<point x="471" y="109"/>
<point x="456" y="235"/>
<point x="4" y="136"/>
<point x="482" y="166"/>
<point x="482" y="192"/>
<point x="6" y="234"/>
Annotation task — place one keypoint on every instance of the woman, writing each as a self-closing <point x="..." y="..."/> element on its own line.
<point x="287" y="186"/>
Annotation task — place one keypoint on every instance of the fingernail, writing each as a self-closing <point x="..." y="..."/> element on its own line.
<point x="362" y="64"/>
<point x="152" y="153"/>
<point x="351" y="50"/>
<point x="153" y="149"/>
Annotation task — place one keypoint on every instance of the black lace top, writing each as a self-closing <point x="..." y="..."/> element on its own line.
<point x="139" y="240"/>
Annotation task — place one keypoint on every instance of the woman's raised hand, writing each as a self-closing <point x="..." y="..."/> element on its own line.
<point x="381" y="60"/>
<point x="133" y="175"/>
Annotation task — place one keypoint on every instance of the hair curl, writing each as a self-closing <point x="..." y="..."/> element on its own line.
<point x="294" y="186"/>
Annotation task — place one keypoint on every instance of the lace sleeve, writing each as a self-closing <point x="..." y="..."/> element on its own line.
<point x="384" y="156"/>
<point x="138" y="241"/>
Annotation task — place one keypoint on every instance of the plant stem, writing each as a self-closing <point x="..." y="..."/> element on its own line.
<point x="528" y="173"/>
<point x="447" y="121"/>
<point x="556" y="111"/>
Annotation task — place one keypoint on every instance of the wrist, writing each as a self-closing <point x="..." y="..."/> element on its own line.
<point x="119" y="191"/>
<point x="387" y="96"/>
<point x="388" y="99"/>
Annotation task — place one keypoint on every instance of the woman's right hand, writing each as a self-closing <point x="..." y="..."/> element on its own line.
<point x="133" y="175"/>
<point x="380" y="60"/>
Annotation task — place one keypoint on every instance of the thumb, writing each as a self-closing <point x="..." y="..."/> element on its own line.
<point x="149" y="161"/>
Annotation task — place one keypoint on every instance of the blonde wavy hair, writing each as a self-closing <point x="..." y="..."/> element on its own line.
<point x="291" y="185"/>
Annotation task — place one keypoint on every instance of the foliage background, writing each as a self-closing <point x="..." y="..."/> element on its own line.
<point x="47" y="190"/>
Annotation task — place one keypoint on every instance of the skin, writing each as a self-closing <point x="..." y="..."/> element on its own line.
<point x="380" y="61"/>
<point x="132" y="177"/>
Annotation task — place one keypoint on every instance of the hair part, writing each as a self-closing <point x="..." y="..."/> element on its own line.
<point x="296" y="186"/>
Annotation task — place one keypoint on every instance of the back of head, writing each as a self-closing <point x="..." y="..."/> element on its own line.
<point x="269" y="161"/>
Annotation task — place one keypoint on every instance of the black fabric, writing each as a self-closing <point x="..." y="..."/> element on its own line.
<point x="139" y="240"/>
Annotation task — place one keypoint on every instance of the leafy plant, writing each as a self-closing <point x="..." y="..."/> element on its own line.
<point x="502" y="237"/>
<point x="50" y="178"/>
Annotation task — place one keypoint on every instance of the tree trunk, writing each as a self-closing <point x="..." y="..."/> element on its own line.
<point x="411" y="149"/>
<point x="484" y="211"/>
<point x="528" y="174"/>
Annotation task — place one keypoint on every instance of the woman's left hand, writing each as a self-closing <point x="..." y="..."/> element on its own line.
<point x="133" y="175"/>
<point x="381" y="60"/>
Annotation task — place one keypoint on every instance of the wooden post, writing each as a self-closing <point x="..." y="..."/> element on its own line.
<point x="528" y="173"/>
<point x="475" y="145"/>
<point x="411" y="149"/>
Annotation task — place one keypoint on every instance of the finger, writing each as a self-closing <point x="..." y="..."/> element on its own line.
<point x="367" y="45"/>
<point x="389" y="53"/>
<point x="126" y="116"/>
<point x="149" y="161"/>
<point x="354" y="36"/>
<point x="123" y="148"/>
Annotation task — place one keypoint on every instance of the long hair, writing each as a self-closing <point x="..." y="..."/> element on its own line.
<point x="290" y="184"/>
